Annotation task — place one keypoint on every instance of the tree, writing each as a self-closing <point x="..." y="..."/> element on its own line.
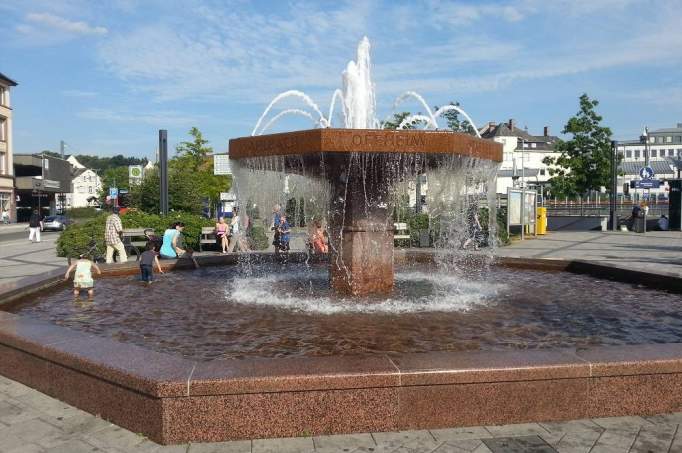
<point x="114" y="177"/>
<point x="398" y="119"/>
<point x="195" y="151"/>
<point x="190" y="180"/>
<point x="585" y="160"/>
<point x="454" y="123"/>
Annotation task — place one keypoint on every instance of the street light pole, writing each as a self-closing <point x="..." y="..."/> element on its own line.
<point x="614" y="186"/>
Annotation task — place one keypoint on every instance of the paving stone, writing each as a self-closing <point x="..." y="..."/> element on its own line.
<point x="14" y="389"/>
<point x="12" y="412"/>
<point x="26" y="448"/>
<point x="482" y="449"/>
<point x="665" y="419"/>
<point x="32" y="431"/>
<point x="572" y="426"/>
<point x="612" y="442"/>
<point x="73" y="446"/>
<point x="577" y="442"/>
<point x="48" y="405"/>
<point x="343" y="441"/>
<point x="624" y="424"/>
<point x="459" y="446"/>
<point x="407" y="441"/>
<point x="113" y="437"/>
<point x="676" y="446"/>
<point x="448" y="434"/>
<point x="521" y="444"/>
<point x="80" y="424"/>
<point x="237" y="446"/>
<point x="287" y="445"/>
<point x="654" y="438"/>
<point x="519" y="429"/>
<point x="9" y="442"/>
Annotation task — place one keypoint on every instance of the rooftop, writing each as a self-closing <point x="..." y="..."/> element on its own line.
<point x="545" y="141"/>
<point x="7" y="80"/>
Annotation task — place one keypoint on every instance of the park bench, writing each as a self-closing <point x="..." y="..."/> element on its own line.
<point x="135" y="240"/>
<point x="207" y="236"/>
<point x="400" y="231"/>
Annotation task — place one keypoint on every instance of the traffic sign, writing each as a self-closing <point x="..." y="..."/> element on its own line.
<point x="646" y="173"/>
<point x="646" y="184"/>
<point x="113" y="192"/>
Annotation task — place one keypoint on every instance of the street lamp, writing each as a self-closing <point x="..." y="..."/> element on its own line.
<point x="644" y="139"/>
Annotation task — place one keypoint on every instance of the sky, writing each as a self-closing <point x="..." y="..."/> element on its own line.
<point x="104" y="76"/>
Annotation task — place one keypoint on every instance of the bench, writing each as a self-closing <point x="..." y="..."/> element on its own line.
<point x="207" y="236"/>
<point x="400" y="231"/>
<point x="135" y="240"/>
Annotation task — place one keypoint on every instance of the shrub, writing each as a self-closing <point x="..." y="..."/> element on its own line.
<point x="76" y="238"/>
<point x="257" y="238"/>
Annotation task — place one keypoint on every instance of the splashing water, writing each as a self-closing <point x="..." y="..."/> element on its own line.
<point x="358" y="101"/>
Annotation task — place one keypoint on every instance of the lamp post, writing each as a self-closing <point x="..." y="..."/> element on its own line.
<point x="614" y="186"/>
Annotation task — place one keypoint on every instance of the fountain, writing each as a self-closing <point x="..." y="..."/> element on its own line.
<point x="359" y="167"/>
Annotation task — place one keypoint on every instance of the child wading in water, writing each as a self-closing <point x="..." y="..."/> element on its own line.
<point x="82" y="279"/>
<point x="147" y="260"/>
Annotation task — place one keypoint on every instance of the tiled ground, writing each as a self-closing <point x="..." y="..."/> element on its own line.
<point x="31" y="422"/>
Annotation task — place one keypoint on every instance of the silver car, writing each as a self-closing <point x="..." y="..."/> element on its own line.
<point x="56" y="223"/>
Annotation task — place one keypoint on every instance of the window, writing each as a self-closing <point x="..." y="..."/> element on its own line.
<point x="654" y="153"/>
<point x="637" y="154"/>
<point x="3" y="166"/>
<point x="671" y="152"/>
<point x="525" y="145"/>
<point x="533" y="145"/>
<point x="46" y="164"/>
<point x="669" y="139"/>
<point x="628" y="154"/>
<point x="659" y="139"/>
<point x="679" y="152"/>
<point x="678" y="139"/>
<point x="652" y="139"/>
<point x="89" y="189"/>
<point x="542" y="172"/>
<point x="3" y="129"/>
<point x="3" y="96"/>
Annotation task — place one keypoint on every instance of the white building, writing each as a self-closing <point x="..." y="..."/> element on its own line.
<point x="7" y="193"/>
<point x="664" y="147"/>
<point x="85" y="186"/>
<point x="523" y="155"/>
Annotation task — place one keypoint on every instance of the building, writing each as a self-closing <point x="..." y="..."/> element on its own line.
<point x="41" y="182"/>
<point x="523" y="155"/>
<point x="74" y="162"/>
<point x="7" y="195"/>
<point x="85" y="188"/>
<point x="664" y="147"/>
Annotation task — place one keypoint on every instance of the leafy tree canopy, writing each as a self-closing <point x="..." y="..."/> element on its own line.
<point x="585" y="160"/>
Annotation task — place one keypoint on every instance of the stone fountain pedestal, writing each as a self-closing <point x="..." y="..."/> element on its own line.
<point x="360" y="165"/>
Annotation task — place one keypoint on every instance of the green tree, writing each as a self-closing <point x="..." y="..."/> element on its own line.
<point x="585" y="160"/>
<point x="195" y="151"/>
<point x="454" y="123"/>
<point x="114" y="177"/>
<point x="397" y="120"/>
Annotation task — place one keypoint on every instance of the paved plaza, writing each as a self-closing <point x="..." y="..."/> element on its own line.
<point x="657" y="251"/>
<point x="31" y="422"/>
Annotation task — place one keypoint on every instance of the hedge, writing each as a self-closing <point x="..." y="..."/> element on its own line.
<point x="76" y="238"/>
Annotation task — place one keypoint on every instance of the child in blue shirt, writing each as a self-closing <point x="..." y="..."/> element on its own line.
<point x="284" y="230"/>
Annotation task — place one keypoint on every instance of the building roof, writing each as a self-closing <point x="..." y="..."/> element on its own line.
<point x="544" y="142"/>
<point x="669" y="130"/>
<point x="660" y="167"/>
<point x="7" y="80"/>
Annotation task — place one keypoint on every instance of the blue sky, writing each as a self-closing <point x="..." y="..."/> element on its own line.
<point x="105" y="75"/>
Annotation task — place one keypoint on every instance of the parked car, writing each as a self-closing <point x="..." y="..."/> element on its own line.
<point x="56" y="223"/>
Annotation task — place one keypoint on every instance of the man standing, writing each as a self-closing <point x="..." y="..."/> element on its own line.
<point x="35" y="225"/>
<point x="112" y="237"/>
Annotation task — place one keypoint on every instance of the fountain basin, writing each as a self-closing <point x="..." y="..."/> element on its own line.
<point x="361" y="166"/>
<point x="172" y="399"/>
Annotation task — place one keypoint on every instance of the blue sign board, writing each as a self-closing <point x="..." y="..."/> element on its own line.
<point x="646" y="184"/>
<point x="113" y="192"/>
<point x="646" y="173"/>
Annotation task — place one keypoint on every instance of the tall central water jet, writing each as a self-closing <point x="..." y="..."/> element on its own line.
<point x="351" y="176"/>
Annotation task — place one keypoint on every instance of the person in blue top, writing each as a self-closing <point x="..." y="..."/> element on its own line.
<point x="284" y="230"/>
<point x="173" y="245"/>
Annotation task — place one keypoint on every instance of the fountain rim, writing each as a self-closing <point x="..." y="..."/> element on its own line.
<point x="345" y="140"/>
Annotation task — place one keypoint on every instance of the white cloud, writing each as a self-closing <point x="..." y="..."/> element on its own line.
<point x="158" y="118"/>
<point x="64" y="25"/>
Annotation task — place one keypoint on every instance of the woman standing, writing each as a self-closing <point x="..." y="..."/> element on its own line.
<point x="221" y="234"/>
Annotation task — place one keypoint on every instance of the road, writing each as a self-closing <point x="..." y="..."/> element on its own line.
<point x="20" y="258"/>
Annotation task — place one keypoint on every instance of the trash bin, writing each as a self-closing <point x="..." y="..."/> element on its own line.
<point x="639" y="225"/>
<point x="424" y="238"/>
<point x="542" y="220"/>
